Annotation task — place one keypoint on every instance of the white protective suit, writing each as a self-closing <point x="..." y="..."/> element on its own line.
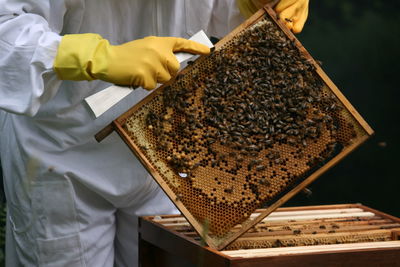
<point x="77" y="203"/>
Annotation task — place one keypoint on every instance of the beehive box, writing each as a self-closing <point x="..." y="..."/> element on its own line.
<point x="329" y="235"/>
<point x="248" y="126"/>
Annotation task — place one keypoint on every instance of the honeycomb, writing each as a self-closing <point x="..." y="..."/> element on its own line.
<point x="240" y="128"/>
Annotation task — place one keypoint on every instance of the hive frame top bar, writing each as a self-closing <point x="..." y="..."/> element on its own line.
<point x="220" y="242"/>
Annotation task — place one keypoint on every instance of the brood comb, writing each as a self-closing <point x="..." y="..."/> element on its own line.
<point x="248" y="126"/>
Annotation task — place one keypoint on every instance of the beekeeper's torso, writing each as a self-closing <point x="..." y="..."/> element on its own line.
<point x="54" y="125"/>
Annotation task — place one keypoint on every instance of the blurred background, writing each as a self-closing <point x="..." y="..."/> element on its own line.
<point x="358" y="43"/>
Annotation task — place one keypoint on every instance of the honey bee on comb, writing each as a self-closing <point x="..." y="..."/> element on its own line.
<point x="245" y="124"/>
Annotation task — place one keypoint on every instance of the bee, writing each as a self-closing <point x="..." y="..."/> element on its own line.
<point x="229" y="190"/>
<point x="264" y="181"/>
<point x="178" y="197"/>
<point x="260" y="167"/>
<point x="297" y="232"/>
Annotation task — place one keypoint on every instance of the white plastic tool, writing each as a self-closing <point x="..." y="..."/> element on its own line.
<point x="102" y="101"/>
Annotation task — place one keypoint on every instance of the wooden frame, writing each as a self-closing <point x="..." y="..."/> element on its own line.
<point x="219" y="243"/>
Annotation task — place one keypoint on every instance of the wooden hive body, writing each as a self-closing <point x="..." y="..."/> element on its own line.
<point x="329" y="235"/>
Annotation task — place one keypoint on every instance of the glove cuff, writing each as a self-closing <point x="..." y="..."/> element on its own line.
<point x="75" y="55"/>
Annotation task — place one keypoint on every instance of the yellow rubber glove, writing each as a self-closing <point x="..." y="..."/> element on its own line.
<point x="144" y="62"/>
<point x="292" y="12"/>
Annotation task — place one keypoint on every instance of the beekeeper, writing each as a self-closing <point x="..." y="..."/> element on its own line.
<point x="73" y="201"/>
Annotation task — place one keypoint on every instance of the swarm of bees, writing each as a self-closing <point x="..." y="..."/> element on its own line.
<point x="245" y="123"/>
<point x="258" y="93"/>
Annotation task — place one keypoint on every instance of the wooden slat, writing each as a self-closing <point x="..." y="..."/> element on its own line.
<point x="281" y="214"/>
<point x="301" y="217"/>
<point x="308" y="212"/>
<point x="316" y="229"/>
<point x="106" y="131"/>
<point x="251" y="253"/>
<point x="319" y="227"/>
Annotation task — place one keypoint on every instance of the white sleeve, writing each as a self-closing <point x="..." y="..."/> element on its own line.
<point x="28" y="46"/>
<point x="225" y="17"/>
